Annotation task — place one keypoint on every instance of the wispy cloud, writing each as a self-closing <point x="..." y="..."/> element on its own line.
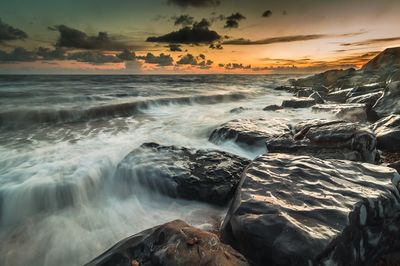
<point x="372" y="41"/>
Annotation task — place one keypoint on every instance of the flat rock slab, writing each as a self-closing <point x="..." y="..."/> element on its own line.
<point x="204" y="175"/>
<point x="249" y="132"/>
<point x="174" y="243"/>
<point x="298" y="103"/>
<point x="387" y="132"/>
<point x="328" y="140"/>
<point x="356" y="112"/>
<point x="300" y="210"/>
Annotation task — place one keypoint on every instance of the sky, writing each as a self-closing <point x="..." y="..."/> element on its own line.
<point x="193" y="36"/>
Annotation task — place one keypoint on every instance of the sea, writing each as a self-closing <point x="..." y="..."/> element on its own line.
<point x="62" y="137"/>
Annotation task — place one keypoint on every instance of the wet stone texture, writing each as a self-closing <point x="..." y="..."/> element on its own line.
<point x="204" y="175"/>
<point x="170" y="244"/>
<point x="387" y="132"/>
<point x="300" y="210"/>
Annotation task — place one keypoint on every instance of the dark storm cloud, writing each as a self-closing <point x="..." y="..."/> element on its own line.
<point x="371" y="41"/>
<point x="160" y="60"/>
<point x="174" y="47"/>
<point x="199" y="33"/>
<point x="267" y="14"/>
<point x="73" y="38"/>
<point x="233" y="20"/>
<point x="184" y="20"/>
<point x="194" y="3"/>
<point x="9" y="33"/>
<point x="51" y="54"/>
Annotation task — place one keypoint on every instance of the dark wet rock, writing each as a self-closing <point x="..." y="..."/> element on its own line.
<point x="285" y="88"/>
<point x="351" y="111"/>
<point x="369" y="99"/>
<point x="339" y="96"/>
<point x="395" y="165"/>
<point x="250" y="132"/>
<point x="328" y="140"/>
<point x="389" y="103"/>
<point x="238" y="110"/>
<point x="385" y="62"/>
<point x="205" y="175"/>
<point x="317" y="98"/>
<point x="173" y="243"/>
<point x="366" y="89"/>
<point x="300" y="210"/>
<point x="387" y="132"/>
<point x="327" y="78"/>
<point x="298" y="103"/>
<point x="304" y="92"/>
<point x="273" y="107"/>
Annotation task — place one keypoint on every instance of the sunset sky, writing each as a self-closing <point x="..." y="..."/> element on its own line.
<point x="196" y="36"/>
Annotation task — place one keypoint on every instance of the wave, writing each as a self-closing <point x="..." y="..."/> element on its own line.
<point x="22" y="118"/>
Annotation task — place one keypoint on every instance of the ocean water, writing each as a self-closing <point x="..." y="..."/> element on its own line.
<point x="62" y="137"/>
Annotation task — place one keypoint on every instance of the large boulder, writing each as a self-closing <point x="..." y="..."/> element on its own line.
<point x="355" y="112"/>
<point x="205" y="175"/>
<point x="300" y="210"/>
<point x="328" y="140"/>
<point x="387" y="132"/>
<point x="369" y="99"/>
<point x="385" y="62"/>
<point x="389" y="103"/>
<point x="327" y="78"/>
<point x="170" y="244"/>
<point x="299" y="103"/>
<point x="250" y="132"/>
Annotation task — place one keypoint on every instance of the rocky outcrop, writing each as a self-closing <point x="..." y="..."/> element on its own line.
<point x="316" y="96"/>
<point x="300" y="210"/>
<point x="327" y="78"/>
<point x="248" y="132"/>
<point x="384" y="63"/>
<point x="387" y="132"/>
<point x="389" y="103"/>
<point x="205" y="175"/>
<point x="328" y="140"/>
<point x="355" y="112"/>
<point x="273" y="107"/>
<point x="298" y="103"/>
<point x="173" y="243"/>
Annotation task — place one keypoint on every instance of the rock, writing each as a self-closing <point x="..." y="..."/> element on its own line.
<point x="384" y="62"/>
<point x="248" y="132"/>
<point x="327" y="78"/>
<point x="339" y="96"/>
<point x="273" y="107"/>
<point x="238" y="110"/>
<point x="205" y="175"/>
<point x="317" y="98"/>
<point x="328" y="140"/>
<point x="369" y="99"/>
<point x="173" y="243"/>
<point x="351" y="112"/>
<point x="395" y="165"/>
<point x="387" y="132"/>
<point x="300" y="210"/>
<point x="304" y="92"/>
<point x="389" y="103"/>
<point x="366" y="89"/>
<point x="298" y="103"/>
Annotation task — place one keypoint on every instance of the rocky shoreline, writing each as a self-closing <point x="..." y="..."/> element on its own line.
<point x="325" y="192"/>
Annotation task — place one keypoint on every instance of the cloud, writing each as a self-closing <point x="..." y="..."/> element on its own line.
<point x="184" y="20"/>
<point x="73" y="38"/>
<point x="233" y="66"/>
<point x="174" y="47"/>
<point x="290" y="38"/>
<point x="233" y="20"/>
<point x="371" y="41"/>
<point x="9" y="33"/>
<point x="19" y="54"/>
<point x="267" y="14"/>
<point x="199" y="33"/>
<point x="188" y="59"/>
<point x="50" y="54"/>
<point x="194" y="3"/>
<point x="160" y="60"/>
<point x="94" y="57"/>
<point x="127" y="55"/>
